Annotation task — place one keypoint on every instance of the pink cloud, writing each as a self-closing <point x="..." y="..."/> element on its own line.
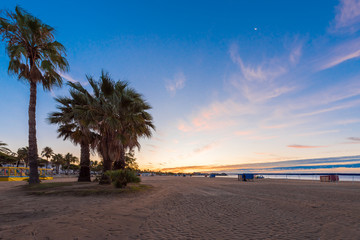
<point x="262" y="137"/>
<point x="217" y="115"/>
<point x="318" y="133"/>
<point x="184" y="127"/>
<point x="243" y="133"/>
<point x="204" y="148"/>
<point x="304" y="146"/>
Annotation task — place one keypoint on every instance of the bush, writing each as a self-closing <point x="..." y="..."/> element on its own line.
<point x="120" y="178"/>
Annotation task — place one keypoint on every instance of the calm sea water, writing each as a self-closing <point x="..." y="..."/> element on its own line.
<point x="314" y="177"/>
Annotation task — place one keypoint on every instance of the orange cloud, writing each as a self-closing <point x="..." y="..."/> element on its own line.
<point x="201" y="168"/>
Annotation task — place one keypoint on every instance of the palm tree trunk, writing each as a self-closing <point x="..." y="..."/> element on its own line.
<point x="107" y="166"/>
<point x="120" y="163"/>
<point x="84" y="175"/>
<point x="33" y="152"/>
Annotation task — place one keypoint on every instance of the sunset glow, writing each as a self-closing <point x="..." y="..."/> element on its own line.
<point x="247" y="82"/>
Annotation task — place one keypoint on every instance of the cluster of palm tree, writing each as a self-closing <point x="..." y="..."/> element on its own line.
<point x="109" y="120"/>
<point x="22" y="157"/>
<point x="58" y="159"/>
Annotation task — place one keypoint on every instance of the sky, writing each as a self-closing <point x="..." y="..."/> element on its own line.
<point x="230" y="82"/>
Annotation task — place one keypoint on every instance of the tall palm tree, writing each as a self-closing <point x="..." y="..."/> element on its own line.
<point x="71" y="127"/>
<point x="48" y="153"/>
<point x="35" y="56"/>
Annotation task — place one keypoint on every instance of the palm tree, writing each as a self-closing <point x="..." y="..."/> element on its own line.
<point x="68" y="160"/>
<point x="118" y="114"/>
<point x="138" y="124"/>
<point x="3" y="148"/>
<point x="73" y="128"/>
<point x="23" y="154"/>
<point x="57" y="160"/>
<point x="48" y="153"/>
<point x="35" y="57"/>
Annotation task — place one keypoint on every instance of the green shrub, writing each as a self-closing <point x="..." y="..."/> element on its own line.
<point x="120" y="178"/>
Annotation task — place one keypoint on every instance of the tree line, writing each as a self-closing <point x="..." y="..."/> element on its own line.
<point x="109" y="120"/>
<point x="21" y="158"/>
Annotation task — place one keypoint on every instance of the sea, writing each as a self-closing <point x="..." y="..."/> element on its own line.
<point x="346" y="167"/>
<point x="313" y="177"/>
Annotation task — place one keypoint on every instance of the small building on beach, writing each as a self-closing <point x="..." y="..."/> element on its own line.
<point x="329" y="178"/>
<point x="246" y="177"/>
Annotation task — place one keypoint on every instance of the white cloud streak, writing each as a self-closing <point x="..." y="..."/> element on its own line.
<point x="340" y="58"/>
<point x="263" y="82"/>
<point x="347" y="17"/>
<point x="68" y="77"/>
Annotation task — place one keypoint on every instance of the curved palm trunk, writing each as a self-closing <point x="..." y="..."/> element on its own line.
<point x="33" y="153"/>
<point x="84" y="175"/>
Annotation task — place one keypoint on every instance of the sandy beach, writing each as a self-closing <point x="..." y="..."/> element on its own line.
<point x="188" y="208"/>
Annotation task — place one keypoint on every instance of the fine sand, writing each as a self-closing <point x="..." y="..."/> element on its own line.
<point x="188" y="208"/>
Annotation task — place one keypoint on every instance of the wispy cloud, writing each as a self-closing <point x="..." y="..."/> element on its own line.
<point x="304" y="146"/>
<point x="243" y="133"/>
<point x="71" y="79"/>
<point x="217" y="115"/>
<point x="280" y="126"/>
<point x="177" y="83"/>
<point x="204" y="148"/>
<point x="317" y="133"/>
<point x="152" y="146"/>
<point x="347" y="17"/>
<point x="260" y="138"/>
<point x="68" y="77"/>
<point x="357" y="139"/>
<point x="261" y="82"/>
<point x="330" y="109"/>
<point x="353" y="140"/>
<point x="260" y="72"/>
<point x="52" y="93"/>
<point x="295" y="54"/>
<point x="340" y="58"/>
<point x="347" y="121"/>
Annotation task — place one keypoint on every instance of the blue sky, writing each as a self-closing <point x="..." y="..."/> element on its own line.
<point x="230" y="82"/>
